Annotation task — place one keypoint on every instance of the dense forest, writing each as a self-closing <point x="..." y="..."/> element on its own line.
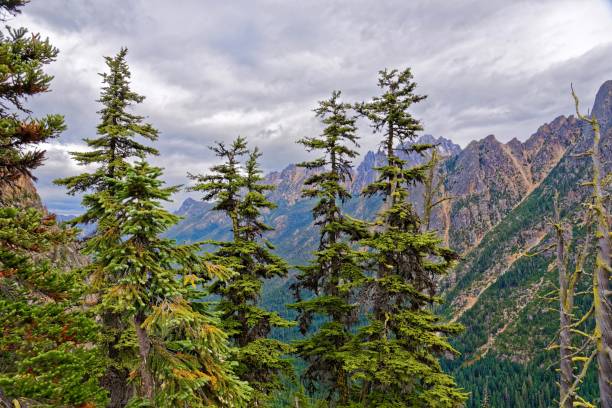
<point x="110" y="309"/>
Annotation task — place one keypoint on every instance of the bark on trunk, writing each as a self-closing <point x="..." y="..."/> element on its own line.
<point x="115" y="380"/>
<point x="566" y="305"/>
<point x="601" y="281"/>
<point x="601" y="275"/>
<point x="144" y="349"/>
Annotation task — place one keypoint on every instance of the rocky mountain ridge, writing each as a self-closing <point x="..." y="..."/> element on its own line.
<point x="486" y="180"/>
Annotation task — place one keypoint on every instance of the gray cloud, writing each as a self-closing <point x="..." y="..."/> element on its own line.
<point x="212" y="70"/>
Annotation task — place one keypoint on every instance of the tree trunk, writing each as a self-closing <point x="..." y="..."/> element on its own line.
<point x="601" y="280"/>
<point x="115" y="379"/>
<point x="601" y="274"/>
<point x="566" y="380"/>
<point x="566" y="305"/>
<point x="144" y="348"/>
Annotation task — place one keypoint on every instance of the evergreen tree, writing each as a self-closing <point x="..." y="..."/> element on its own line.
<point x="239" y="193"/>
<point x="48" y="352"/>
<point x="48" y="348"/>
<point x="117" y="131"/>
<point x="23" y="56"/>
<point x="395" y="353"/>
<point x="157" y="284"/>
<point x="335" y="272"/>
<point x="110" y="152"/>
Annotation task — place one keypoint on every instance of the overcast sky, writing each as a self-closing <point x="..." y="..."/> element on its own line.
<point x="214" y="69"/>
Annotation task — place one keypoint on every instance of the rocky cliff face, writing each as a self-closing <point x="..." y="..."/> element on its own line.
<point x="602" y="108"/>
<point x="23" y="194"/>
<point x="488" y="178"/>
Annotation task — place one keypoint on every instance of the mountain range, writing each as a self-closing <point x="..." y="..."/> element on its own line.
<point x="500" y="198"/>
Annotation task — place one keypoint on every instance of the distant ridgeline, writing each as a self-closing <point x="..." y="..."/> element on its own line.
<point x="501" y="198"/>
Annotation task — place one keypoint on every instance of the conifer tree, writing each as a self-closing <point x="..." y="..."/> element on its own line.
<point x="335" y="272"/>
<point x="48" y="352"/>
<point x="238" y="192"/>
<point x="395" y="355"/>
<point x="117" y="131"/>
<point x="110" y="152"/>
<point x="48" y="348"/>
<point x="23" y="56"/>
<point x="157" y="284"/>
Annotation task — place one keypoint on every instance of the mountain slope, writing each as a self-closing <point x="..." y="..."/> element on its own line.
<point x="498" y="289"/>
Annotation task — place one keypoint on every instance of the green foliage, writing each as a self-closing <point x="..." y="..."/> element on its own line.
<point x="48" y="348"/>
<point x="182" y="352"/>
<point x="117" y="131"/>
<point x="23" y="56"/>
<point x="241" y="196"/>
<point x="335" y="272"/>
<point x="110" y="153"/>
<point x="394" y="355"/>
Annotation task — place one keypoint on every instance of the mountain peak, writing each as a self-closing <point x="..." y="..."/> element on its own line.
<point x="602" y="108"/>
<point x="490" y="139"/>
<point x="187" y="205"/>
<point x="446" y="147"/>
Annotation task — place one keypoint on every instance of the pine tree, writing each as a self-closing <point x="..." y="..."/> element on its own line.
<point x="23" y="56"/>
<point x="117" y="131"/>
<point x="110" y="152"/>
<point x="335" y="272"/>
<point x="239" y="193"/>
<point x="157" y="284"/>
<point x="396" y="353"/>
<point x="48" y="348"/>
<point x="48" y="352"/>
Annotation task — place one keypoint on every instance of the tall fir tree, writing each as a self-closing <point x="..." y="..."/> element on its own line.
<point x="48" y="351"/>
<point x="109" y="154"/>
<point x="336" y="271"/>
<point x="395" y="355"/>
<point x="157" y="285"/>
<point x="237" y="191"/>
<point x="117" y="131"/>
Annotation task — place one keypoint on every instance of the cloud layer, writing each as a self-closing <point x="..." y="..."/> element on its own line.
<point x="212" y="70"/>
